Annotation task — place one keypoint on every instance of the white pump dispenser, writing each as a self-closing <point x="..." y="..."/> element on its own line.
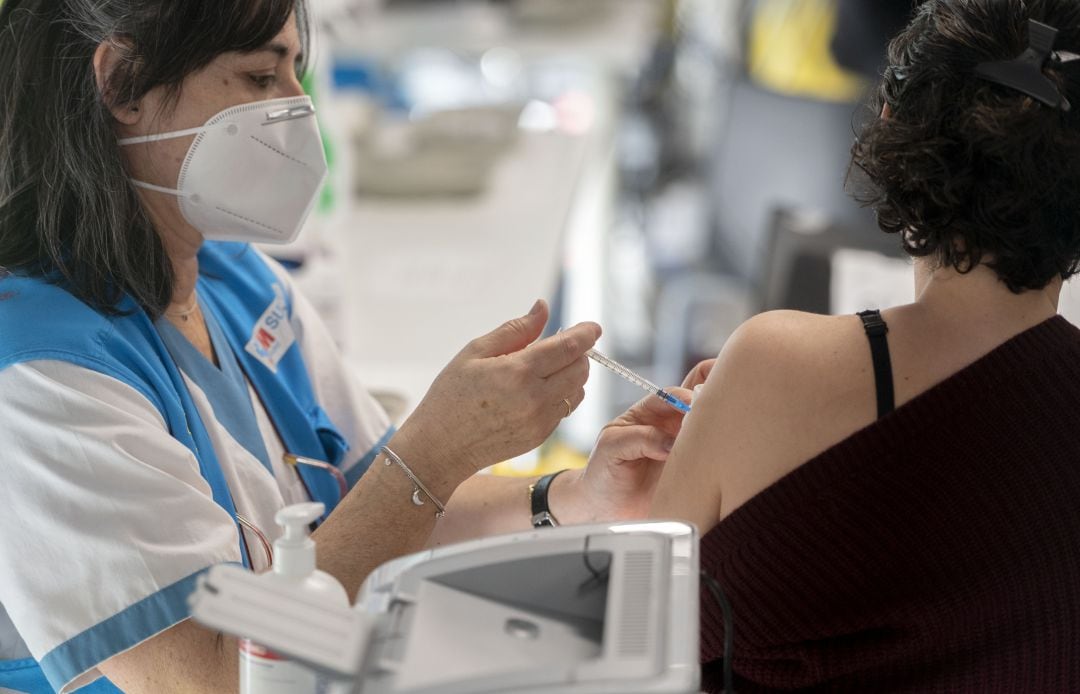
<point x="261" y="670"/>
<point x="294" y="551"/>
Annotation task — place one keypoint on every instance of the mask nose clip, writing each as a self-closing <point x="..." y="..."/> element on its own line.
<point x="302" y="111"/>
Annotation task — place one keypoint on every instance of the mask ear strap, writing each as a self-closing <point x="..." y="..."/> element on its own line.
<point x="1025" y="73"/>
<point x="162" y="136"/>
<point x="159" y="189"/>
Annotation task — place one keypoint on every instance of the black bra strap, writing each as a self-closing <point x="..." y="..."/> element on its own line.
<point x="876" y="330"/>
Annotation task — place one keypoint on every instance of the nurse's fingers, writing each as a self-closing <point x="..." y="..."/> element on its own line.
<point x="555" y="353"/>
<point x="570" y="403"/>
<point x="636" y="442"/>
<point x="568" y="380"/>
<point x="512" y="336"/>
<point x="699" y="373"/>
<point x="654" y="412"/>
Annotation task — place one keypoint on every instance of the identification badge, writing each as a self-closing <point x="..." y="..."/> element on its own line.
<point x="273" y="334"/>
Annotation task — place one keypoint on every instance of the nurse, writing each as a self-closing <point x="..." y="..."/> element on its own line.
<point x="157" y="373"/>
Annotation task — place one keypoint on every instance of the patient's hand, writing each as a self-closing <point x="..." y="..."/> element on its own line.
<point x="626" y="463"/>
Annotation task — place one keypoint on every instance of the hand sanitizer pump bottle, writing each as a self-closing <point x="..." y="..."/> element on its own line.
<point x="261" y="670"/>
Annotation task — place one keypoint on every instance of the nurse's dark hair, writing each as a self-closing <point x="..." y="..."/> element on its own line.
<point x="967" y="171"/>
<point x="67" y="209"/>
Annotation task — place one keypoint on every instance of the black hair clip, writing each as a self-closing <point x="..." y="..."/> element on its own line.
<point x="1025" y="74"/>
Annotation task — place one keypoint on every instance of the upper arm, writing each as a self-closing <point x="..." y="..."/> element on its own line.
<point x="107" y="518"/>
<point x="185" y="659"/>
<point x="776" y="380"/>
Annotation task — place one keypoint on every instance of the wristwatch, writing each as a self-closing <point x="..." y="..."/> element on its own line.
<point x="538" y="499"/>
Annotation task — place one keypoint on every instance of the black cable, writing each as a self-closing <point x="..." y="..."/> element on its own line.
<point x="729" y="628"/>
<point x="599" y="576"/>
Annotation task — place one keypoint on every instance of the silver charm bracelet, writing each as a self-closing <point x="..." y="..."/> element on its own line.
<point x="418" y="486"/>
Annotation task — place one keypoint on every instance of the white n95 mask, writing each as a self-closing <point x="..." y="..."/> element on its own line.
<point x="253" y="172"/>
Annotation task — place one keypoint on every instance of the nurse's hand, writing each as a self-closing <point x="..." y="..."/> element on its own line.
<point x="627" y="461"/>
<point x="500" y="397"/>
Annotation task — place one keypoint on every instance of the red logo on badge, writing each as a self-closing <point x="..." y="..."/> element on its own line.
<point x="266" y="340"/>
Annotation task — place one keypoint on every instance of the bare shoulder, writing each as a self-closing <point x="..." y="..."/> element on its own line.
<point x="793" y="348"/>
<point x="801" y="373"/>
<point x="786" y="387"/>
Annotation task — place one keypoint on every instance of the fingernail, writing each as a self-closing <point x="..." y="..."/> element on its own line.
<point x="536" y="307"/>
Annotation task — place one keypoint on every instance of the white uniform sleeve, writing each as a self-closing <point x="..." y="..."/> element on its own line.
<point x="106" y="519"/>
<point x="351" y="408"/>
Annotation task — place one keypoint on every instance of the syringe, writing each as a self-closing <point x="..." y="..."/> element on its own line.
<point x="638" y="380"/>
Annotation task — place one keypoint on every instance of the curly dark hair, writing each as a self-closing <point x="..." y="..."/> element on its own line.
<point x="968" y="171"/>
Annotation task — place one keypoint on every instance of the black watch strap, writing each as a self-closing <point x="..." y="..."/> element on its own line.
<point x="538" y="498"/>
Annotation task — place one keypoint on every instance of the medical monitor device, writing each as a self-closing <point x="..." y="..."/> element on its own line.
<point x="573" y="610"/>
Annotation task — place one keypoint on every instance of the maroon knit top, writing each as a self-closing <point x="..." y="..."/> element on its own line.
<point x="936" y="550"/>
